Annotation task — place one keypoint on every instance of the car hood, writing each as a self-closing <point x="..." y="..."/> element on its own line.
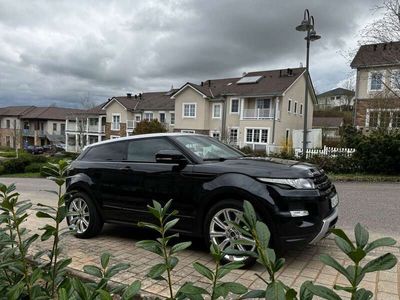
<point x="261" y="167"/>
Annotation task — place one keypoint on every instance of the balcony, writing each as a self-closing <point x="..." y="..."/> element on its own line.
<point x="95" y="128"/>
<point x="32" y="132"/>
<point x="257" y="114"/>
<point x="71" y="126"/>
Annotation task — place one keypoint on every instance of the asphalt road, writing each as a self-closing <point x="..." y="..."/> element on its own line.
<point x="374" y="205"/>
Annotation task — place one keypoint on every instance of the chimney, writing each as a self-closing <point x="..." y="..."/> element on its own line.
<point x="280" y="73"/>
<point x="135" y="96"/>
<point x="128" y="95"/>
<point x="140" y="96"/>
<point x="244" y="74"/>
<point x="202" y="83"/>
<point x="209" y="82"/>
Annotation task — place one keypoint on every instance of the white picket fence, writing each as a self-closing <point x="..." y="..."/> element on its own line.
<point x="326" y="151"/>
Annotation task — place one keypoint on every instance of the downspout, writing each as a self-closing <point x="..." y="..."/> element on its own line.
<point x="356" y="99"/>
<point x="273" y="121"/>
<point x="223" y="125"/>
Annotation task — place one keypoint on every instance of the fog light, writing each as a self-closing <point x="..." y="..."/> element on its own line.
<point x="334" y="201"/>
<point x="298" y="213"/>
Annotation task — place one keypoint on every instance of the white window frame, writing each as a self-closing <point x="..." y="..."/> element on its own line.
<point x="170" y="117"/>
<point x="212" y="132"/>
<point x="113" y="137"/>
<point x="148" y="113"/>
<point x="237" y="135"/>
<point x="113" y="123"/>
<point x="140" y="117"/>
<point x="289" y="107"/>
<point x="213" y="110"/>
<point x="295" y="107"/>
<point x="379" y="111"/>
<point x="257" y="143"/>
<point x="370" y="80"/>
<point x="195" y="110"/>
<point x="230" y="110"/>
<point x="187" y="131"/>
<point x="165" y="116"/>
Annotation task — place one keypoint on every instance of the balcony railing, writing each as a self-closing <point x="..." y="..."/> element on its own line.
<point x="32" y="132"/>
<point x="258" y="113"/>
<point x="71" y="126"/>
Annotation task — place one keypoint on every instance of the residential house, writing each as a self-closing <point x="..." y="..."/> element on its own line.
<point x="31" y="125"/>
<point x="85" y="127"/>
<point x="339" y="97"/>
<point x="377" y="99"/>
<point x="259" y="109"/>
<point x="330" y="126"/>
<point x="118" y="117"/>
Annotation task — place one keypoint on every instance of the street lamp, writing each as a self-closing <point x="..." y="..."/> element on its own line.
<point x="307" y="25"/>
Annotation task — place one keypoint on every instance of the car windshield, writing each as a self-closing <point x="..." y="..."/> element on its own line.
<point x="207" y="148"/>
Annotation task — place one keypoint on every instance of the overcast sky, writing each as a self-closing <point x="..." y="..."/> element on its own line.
<point x="58" y="52"/>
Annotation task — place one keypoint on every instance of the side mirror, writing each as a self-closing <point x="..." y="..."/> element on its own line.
<point x="171" y="157"/>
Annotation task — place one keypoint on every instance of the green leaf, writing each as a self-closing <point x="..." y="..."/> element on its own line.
<point x="189" y="289"/>
<point x="23" y="208"/>
<point x="384" y="262"/>
<point x="362" y="235"/>
<point x="323" y="292"/>
<point x="254" y="294"/>
<point x="62" y="294"/>
<point x="179" y="247"/>
<point x="363" y="294"/>
<point x="93" y="270"/>
<point x="152" y="246"/>
<point x="104" y="295"/>
<point x="62" y="213"/>
<point x="172" y="262"/>
<point x="357" y="255"/>
<point x="279" y="264"/>
<point x="41" y="214"/>
<point x="382" y="242"/>
<point x="340" y="233"/>
<point x="263" y="234"/>
<point x="249" y="213"/>
<point x="131" y="290"/>
<point x="105" y="259"/>
<point x="220" y="291"/>
<point x="343" y="245"/>
<point x="276" y="291"/>
<point x="348" y="289"/>
<point x="291" y="294"/>
<point x="203" y="270"/>
<point x="235" y="252"/>
<point x="171" y="224"/>
<point x="328" y="260"/>
<point x="156" y="271"/>
<point x="235" y="288"/>
<point x="150" y="225"/>
<point x="115" y="269"/>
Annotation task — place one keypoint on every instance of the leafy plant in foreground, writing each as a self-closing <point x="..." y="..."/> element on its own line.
<point x="354" y="273"/>
<point x="162" y="246"/>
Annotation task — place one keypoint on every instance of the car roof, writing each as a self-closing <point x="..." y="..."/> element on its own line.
<point x="142" y="136"/>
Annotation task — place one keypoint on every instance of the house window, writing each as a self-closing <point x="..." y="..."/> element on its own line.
<point x="138" y="118"/>
<point x="289" y="106"/>
<point x="233" y="135"/>
<point x="373" y="118"/>
<point x="216" y="111"/>
<point x="148" y="116"/>
<point x="295" y="107"/>
<point x="255" y="135"/>
<point x="113" y="137"/>
<point x="301" y="109"/>
<point x="384" y="119"/>
<point x="396" y="80"/>
<point x="189" y="110"/>
<point x="62" y="128"/>
<point x="54" y="126"/>
<point x="396" y="119"/>
<point x="172" y="118"/>
<point x="162" y="117"/>
<point x="235" y="106"/>
<point x="216" y="135"/>
<point x="116" y="119"/>
<point x="8" y="140"/>
<point x="187" y="131"/>
<point x="8" y="124"/>
<point x="376" y="81"/>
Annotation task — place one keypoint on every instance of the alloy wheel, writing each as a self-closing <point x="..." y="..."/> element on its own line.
<point x="225" y="235"/>
<point x="78" y="214"/>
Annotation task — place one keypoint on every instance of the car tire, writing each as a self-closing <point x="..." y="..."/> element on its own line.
<point x="214" y="232"/>
<point x="83" y="214"/>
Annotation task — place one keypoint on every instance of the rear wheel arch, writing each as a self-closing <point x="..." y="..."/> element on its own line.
<point x="85" y="189"/>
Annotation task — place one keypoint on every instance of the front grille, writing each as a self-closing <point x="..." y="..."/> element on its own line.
<point x="322" y="183"/>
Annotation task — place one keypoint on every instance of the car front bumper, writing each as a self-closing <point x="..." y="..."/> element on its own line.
<point x="327" y="223"/>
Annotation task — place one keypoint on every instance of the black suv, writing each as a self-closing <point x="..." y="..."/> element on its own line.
<point x="113" y="181"/>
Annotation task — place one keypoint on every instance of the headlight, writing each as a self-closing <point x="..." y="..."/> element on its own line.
<point x="299" y="183"/>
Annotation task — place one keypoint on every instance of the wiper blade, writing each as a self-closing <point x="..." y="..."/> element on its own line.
<point x="215" y="159"/>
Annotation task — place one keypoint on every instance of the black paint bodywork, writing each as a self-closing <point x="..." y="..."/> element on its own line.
<point x="123" y="189"/>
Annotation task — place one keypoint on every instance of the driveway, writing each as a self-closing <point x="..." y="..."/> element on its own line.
<point x="376" y="206"/>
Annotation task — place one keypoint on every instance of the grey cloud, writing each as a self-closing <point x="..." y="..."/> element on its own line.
<point x="57" y="51"/>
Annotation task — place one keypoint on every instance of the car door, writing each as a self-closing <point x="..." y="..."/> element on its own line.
<point x="146" y="180"/>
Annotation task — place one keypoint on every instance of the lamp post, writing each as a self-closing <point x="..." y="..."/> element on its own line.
<point x="307" y="25"/>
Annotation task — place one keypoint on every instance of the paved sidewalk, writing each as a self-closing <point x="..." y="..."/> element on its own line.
<point x="301" y="265"/>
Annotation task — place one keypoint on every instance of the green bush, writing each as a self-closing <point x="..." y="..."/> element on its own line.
<point x="16" y="165"/>
<point x="33" y="167"/>
<point x="2" y="169"/>
<point x="339" y="164"/>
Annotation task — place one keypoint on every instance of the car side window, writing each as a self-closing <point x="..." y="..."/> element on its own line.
<point x="144" y="150"/>
<point x="107" y="152"/>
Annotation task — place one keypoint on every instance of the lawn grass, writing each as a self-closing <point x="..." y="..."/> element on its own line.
<point x="8" y="154"/>
<point x="23" y="175"/>
<point x="359" y="177"/>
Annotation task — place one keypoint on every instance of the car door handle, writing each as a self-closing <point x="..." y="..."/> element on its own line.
<point x="126" y="168"/>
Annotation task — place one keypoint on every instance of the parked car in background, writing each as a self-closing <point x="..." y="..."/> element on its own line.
<point x="114" y="180"/>
<point x="34" y="149"/>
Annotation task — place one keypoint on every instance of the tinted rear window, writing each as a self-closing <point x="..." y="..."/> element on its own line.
<point x="108" y="152"/>
<point x="145" y="150"/>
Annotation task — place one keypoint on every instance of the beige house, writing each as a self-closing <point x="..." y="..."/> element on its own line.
<point x="377" y="101"/>
<point x="338" y="97"/>
<point x="259" y="109"/>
